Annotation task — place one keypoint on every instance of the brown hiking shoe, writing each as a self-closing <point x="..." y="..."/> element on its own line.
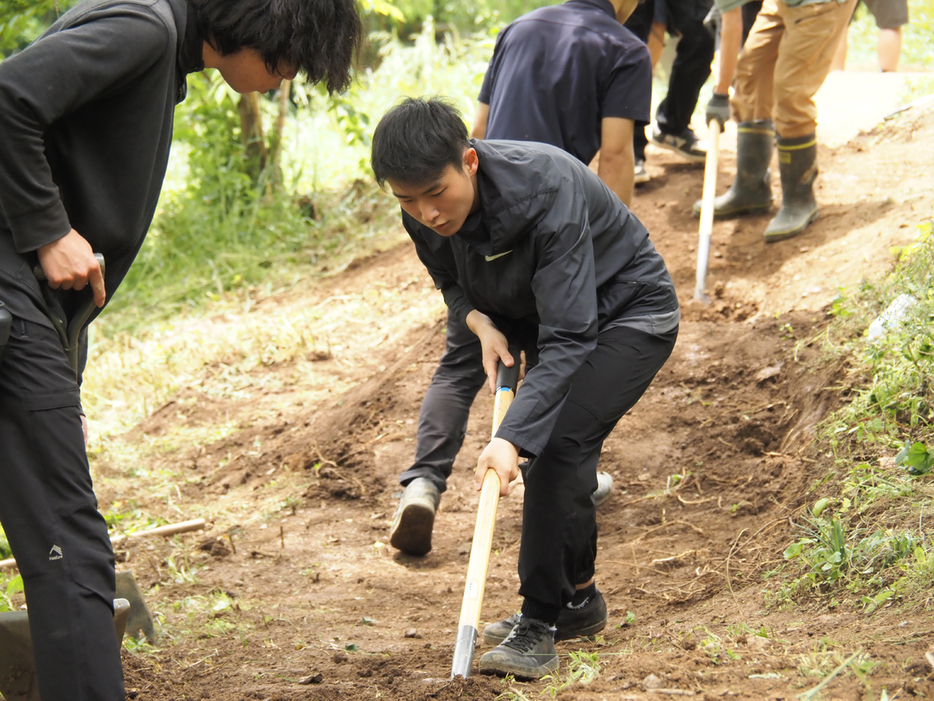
<point x="415" y="518"/>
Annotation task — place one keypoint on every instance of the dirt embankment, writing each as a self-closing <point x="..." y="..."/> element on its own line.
<point x="711" y="469"/>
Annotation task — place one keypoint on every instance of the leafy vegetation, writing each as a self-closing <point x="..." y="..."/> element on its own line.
<point x="867" y="535"/>
<point x="917" y="51"/>
<point x="220" y="228"/>
<point x="10" y="586"/>
<point x="21" y="21"/>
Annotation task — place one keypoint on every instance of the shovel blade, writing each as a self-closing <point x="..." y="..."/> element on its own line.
<point x="17" y="665"/>
<point x="139" y="623"/>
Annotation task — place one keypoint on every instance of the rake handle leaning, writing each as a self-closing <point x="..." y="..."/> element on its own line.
<point x="467" y="629"/>
<point x="706" y="216"/>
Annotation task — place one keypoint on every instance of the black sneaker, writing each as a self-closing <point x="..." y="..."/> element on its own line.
<point x="685" y="144"/>
<point x="415" y="518"/>
<point x="528" y="652"/>
<point x="587" y="619"/>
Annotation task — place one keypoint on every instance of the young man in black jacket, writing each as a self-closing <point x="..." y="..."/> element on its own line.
<point x="85" y="128"/>
<point x="528" y="246"/>
<point x="572" y="76"/>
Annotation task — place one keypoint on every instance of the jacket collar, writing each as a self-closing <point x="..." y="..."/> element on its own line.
<point x="517" y="183"/>
<point x="190" y="45"/>
<point x="604" y="5"/>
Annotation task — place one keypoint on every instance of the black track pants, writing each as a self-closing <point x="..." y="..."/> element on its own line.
<point x="442" y="422"/>
<point x="49" y="513"/>
<point x="559" y="524"/>
<point x="691" y="66"/>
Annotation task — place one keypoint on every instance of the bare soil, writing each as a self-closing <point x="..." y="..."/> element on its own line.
<point x="712" y="468"/>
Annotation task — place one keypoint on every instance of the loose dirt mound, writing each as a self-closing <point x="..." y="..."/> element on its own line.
<point x="308" y="601"/>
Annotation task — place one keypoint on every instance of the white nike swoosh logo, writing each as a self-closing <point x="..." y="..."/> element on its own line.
<point x="498" y="255"/>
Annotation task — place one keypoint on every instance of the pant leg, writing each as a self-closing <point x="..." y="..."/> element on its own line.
<point x="753" y="84"/>
<point x="812" y="35"/>
<point x="559" y="525"/>
<point x="442" y="422"/>
<point x="49" y="513"/>
<point x="691" y="66"/>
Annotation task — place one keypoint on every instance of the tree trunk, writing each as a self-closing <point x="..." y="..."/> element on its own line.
<point x="275" y="180"/>
<point x="251" y="134"/>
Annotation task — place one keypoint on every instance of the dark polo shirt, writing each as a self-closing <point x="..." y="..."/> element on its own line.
<point x="558" y="71"/>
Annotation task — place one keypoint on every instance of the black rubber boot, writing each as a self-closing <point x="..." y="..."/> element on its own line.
<point x="750" y="192"/>
<point x="797" y="162"/>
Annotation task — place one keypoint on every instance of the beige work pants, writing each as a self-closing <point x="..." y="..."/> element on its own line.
<point x="785" y="60"/>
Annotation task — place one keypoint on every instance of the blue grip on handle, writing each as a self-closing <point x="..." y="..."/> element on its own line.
<point x="509" y="377"/>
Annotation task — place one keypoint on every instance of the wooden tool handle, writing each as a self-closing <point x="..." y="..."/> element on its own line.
<point x="504" y="397"/>
<point x="467" y="629"/>
<point x="171" y="529"/>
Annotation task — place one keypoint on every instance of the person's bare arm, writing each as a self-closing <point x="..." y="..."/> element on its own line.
<point x="617" y="162"/>
<point x="479" y="122"/>
<point x="731" y="41"/>
<point x="731" y="38"/>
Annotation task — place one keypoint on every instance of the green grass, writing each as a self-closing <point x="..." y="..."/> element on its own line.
<point x="917" y="49"/>
<point x="865" y="540"/>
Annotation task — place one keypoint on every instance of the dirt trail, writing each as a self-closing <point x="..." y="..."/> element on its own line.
<point x="306" y="600"/>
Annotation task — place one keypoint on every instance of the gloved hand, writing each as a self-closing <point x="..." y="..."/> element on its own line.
<point x="718" y="108"/>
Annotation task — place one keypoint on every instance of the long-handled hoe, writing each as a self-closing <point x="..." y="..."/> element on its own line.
<point x="506" y="381"/>
<point x="706" y="216"/>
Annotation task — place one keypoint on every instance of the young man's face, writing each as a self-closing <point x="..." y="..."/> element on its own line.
<point x="445" y="203"/>
<point x="245" y="71"/>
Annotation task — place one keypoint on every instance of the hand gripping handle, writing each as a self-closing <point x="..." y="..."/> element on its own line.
<point x="69" y="330"/>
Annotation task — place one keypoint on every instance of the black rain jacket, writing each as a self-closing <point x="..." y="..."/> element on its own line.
<point x="553" y="249"/>
<point x="86" y="117"/>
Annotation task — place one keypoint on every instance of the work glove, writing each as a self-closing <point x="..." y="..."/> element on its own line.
<point x="718" y="108"/>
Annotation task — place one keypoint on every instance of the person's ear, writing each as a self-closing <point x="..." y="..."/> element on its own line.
<point x="471" y="161"/>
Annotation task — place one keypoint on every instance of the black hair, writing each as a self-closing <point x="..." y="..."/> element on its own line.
<point x="319" y="37"/>
<point x="416" y="140"/>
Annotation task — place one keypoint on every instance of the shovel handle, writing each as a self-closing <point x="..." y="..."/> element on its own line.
<point x="467" y="630"/>
<point x="706" y="216"/>
<point x="70" y="330"/>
